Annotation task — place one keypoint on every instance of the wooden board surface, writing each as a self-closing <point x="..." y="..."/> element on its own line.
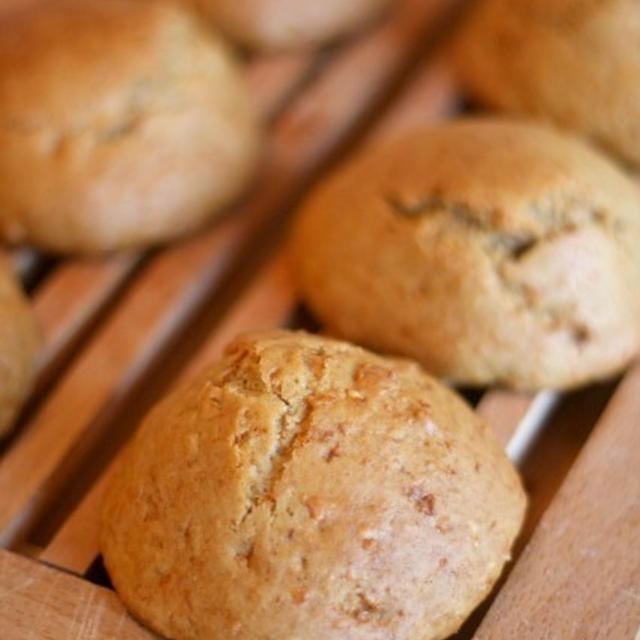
<point x="40" y="603"/>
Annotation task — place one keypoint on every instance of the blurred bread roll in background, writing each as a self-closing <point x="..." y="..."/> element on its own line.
<point x="122" y="124"/>
<point x="572" y="62"/>
<point x="493" y="252"/>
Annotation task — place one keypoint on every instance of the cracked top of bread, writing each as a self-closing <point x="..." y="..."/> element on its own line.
<point x="493" y="251"/>
<point x="122" y="124"/>
<point x="287" y="24"/>
<point x="19" y="347"/>
<point x="305" y="488"/>
<point x="572" y="62"/>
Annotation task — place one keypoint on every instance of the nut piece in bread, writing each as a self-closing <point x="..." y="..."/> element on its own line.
<point x="287" y="24"/>
<point x="122" y="124"/>
<point x="19" y="345"/>
<point x="305" y="488"/>
<point x="493" y="252"/>
<point x="572" y="62"/>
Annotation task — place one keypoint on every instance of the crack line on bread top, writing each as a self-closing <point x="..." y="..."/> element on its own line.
<point x="292" y="426"/>
<point x="562" y="213"/>
<point x="278" y="459"/>
<point x="552" y="217"/>
<point x="433" y="204"/>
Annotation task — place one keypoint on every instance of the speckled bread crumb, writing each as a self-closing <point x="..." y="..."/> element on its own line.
<point x="122" y="124"/>
<point x="287" y="24"/>
<point x="494" y="252"/>
<point x="19" y="343"/>
<point x="572" y="62"/>
<point x="305" y="488"/>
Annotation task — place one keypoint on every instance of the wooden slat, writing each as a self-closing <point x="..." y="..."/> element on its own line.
<point x="40" y="603"/>
<point x="430" y="93"/>
<point x="164" y="297"/>
<point x="67" y="303"/>
<point x="579" y="576"/>
<point x="503" y="409"/>
<point x="273" y="80"/>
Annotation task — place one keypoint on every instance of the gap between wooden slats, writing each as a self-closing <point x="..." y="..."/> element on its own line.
<point x="164" y="296"/>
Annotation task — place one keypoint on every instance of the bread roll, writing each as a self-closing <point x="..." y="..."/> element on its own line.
<point x="575" y="63"/>
<point x="304" y="488"/>
<point x="122" y="124"/>
<point x="493" y="252"/>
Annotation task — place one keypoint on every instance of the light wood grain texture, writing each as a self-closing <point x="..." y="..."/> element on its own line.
<point x="7" y="6"/>
<point x="40" y="603"/>
<point x="503" y="409"/>
<point x="67" y="302"/>
<point x="579" y="576"/>
<point x="166" y="295"/>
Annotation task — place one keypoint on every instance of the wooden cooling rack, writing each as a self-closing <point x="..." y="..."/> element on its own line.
<point x="119" y="331"/>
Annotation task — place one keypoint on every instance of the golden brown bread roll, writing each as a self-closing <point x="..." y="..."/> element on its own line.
<point x="19" y="343"/>
<point x="304" y="488"/>
<point x="493" y="252"/>
<point x="572" y="62"/>
<point x="285" y="24"/>
<point x="122" y="124"/>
